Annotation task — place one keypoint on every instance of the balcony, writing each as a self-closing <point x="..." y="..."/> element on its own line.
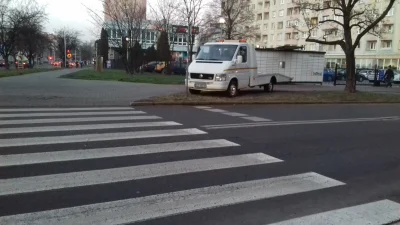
<point x="291" y="42"/>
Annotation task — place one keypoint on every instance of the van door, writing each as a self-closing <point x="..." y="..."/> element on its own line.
<point x="242" y="69"/>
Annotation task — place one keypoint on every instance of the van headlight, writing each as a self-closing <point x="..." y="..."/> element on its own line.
<point x="220" y="77"/>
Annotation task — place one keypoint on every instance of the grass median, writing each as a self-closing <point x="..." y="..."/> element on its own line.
<point x="14" y="72"/>
<point x="279" y="97"/>
<point x="120" y="75"/>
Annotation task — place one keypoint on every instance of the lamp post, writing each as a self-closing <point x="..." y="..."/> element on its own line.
<point x="221" y="23"/>
<point x="127" y="49"/>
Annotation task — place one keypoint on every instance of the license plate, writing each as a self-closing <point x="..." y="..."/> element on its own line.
<point x="200" y="85"/>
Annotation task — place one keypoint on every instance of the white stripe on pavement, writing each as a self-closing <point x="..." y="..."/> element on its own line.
<point x="299" y="122"/>
<point x="127" y="112"/>
<point x="256" y="119"/>
<point x="20" y="130"/>
<point x="234" y="114"/>
<point x="97" y="137"/>
<point x="79" y="179"/>
<point x="79" y="119"/>
<point x="162" y="205"/>
<point x="63" y="109"/>
<point x="375" y="213"/>
<point x="216" y="110"/>
<point x="69" y="155"/>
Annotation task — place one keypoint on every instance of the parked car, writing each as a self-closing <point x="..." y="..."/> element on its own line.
<point x="159" y="67"/>
<point x="150" y="67"/>
<point x="179" y="68"/>
<point x="25" y="64"/>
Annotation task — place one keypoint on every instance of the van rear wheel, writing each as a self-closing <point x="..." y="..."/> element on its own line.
<point x="269" y="87"/>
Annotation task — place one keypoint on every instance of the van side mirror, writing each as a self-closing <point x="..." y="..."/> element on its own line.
<point x="239" y="59"/>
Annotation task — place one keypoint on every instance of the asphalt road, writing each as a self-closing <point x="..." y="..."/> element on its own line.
<point x="187" y="165"/>
<point x="48" y="90"/>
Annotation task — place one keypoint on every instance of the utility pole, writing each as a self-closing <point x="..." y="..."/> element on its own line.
<point x="188" y="40"/>
<point x="65" y="50"/>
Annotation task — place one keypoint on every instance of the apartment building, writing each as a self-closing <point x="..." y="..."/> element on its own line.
<point x="281" y="22"/>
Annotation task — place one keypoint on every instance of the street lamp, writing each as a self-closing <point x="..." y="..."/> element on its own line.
<point x="127" y="47"/>
<point x="221" y="23"/>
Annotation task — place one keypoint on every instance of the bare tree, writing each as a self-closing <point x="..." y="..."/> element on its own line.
<point x="122" y="19"/>
<point x="237" y="18"/>
<point x="71" y="39"/>
<point x="13" y="19"/>
<point x="164" y="16"/>
<point x="192" y="10"/>
<point x="352" y="19"/>
<point x="87" y="50"/>
<point x="32" y="41"/>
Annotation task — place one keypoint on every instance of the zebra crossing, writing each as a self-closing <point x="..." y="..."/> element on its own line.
<point x="48" y="154"/>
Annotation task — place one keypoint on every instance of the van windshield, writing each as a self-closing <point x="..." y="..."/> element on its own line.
<point x="217" y="52"/>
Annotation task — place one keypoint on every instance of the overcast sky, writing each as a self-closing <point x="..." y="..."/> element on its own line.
<point x="71" y="14"/>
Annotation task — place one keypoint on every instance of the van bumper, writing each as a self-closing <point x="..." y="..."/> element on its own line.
<point x="210" y="85"/>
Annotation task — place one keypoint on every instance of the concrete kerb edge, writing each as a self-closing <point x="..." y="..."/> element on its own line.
<point x="254" y="103"/>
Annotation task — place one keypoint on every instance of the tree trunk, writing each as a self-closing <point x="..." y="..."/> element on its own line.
<point x="351" y="72"/>
<point x="7" y="62"/>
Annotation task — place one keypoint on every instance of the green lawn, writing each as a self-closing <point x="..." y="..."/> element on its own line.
<point x="120" y="75"/>
<point x="14" y="72"/>
<point x="251" y="97"/>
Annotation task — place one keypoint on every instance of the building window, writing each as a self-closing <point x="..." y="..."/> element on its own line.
<point x="280" y="25"/>
<point x="288" y="36"/>
<point x="266" y="16"/>
<point x="279" y="37"/>
<point x="289" y="11"/>
<point x="259" y="16"/>
<point x="272" y="37"/>
<point x="325" y="18"/>
<point x="314" y="33"/>
<point x="305" y="35"/>
<point x="266" y="26"/>
<point x="288" y="23"/>
<point x="314" y="20"/>
<point x="296" y="23"/>
<point x="273" y="14"/>
<point x="388" y="28"/>
<point x="390" y="13"/>
<point x="371" y="45"/>
<point x="281" y="12"/>
<point x="272" y="26"/>
<point x="386" y="44"/>
<point x="312" y="47"/>
<point x="282" y="2"/>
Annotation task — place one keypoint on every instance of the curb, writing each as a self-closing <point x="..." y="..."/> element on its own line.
<point x="253" y="103"/>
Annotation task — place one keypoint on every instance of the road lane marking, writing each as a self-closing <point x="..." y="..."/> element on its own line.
<point x="79" y="119"/>
<point x="216" y="110"/>
<point x="299" y="122"/>
<point x="203" y="107"/>
<point x="234" y="114"/>
<point x="63" y="109"/>
<point x="69" y="155"/>
<point x="168" y="204"/>
<point x="256" y="119"/>
<point x="97" y="137"/>
<point x="375" y="213"/>
<point x="127" y="112"/>
<point x="105" y="176"/>
<point x="21" y="130"/>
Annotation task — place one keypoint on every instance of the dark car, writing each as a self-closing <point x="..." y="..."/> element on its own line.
<point x="360" y="75"/>
<point x="179" y="68"/>
<point x="149" y="67"/>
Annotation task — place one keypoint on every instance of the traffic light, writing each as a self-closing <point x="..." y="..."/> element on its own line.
<point x="68" y="51"/>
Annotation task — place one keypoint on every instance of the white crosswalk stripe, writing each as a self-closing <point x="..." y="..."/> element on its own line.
<point x="66" y="162"/>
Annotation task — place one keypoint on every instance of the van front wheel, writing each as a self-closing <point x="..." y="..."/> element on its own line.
<point x="194" y="92"/>
<point x="233" y="89"/>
